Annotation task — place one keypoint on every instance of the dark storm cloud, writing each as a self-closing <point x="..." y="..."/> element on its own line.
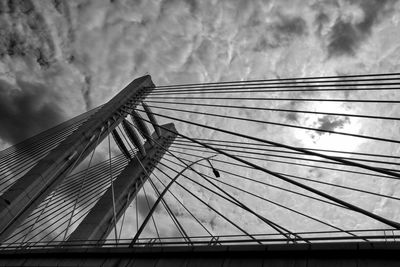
<point x="29" y="38"/>
<point x="86" y="88"/>
<point x="330" y="123"/>
<point x="321" y="19"/>
<point x="282" y="32"/>
<point x="291" y="116"/>
<point x="26" y="111"/>
<point x="344" y="39"/>
<point x="192" y="5"/>
<point x="290" y="26"/>
<point x="345" y="36"/>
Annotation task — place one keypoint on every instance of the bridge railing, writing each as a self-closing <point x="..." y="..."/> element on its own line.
<point x="372" y="235"/>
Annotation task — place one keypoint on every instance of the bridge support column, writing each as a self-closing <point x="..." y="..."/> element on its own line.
<point x="98" y="224"/>
<point x="31" y="189"/>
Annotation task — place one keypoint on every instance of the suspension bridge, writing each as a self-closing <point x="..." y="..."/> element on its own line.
<point x="278" y="172"/>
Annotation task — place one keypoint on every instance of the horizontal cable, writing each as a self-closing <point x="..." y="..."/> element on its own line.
<point x="294" y="163"/>
<point x="224" y="143"/>
<point x="344" y="77"/>
<point x="247" y="149"/>
<point x="165" y="241"/>
<point x="177" y="145"/>
<point x="273" y="89"/>
<point x="278" y="110"/>
<point x="267" y="184"/>
<point x="270" y="201"/>
<point x="281" y="99"/>
<point x="300" y="164"/>
<point x="308" y="152"/>
<point x="330" y="184"/>
<point x="341" y="186"/>
<point x="146" y="240"/>
<point x="229" y="197"/>
<point x="282" y="84"/>
<point x="281" y="124"/>
<point x="286" y="179"/>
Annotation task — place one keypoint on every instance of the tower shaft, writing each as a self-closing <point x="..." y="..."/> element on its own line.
<point x="32" y="188"/>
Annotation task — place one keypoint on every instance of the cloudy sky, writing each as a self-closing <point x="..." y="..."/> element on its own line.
<point x="61" y="58"/>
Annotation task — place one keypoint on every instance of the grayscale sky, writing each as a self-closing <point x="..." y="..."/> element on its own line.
<point x="61" y="58"/>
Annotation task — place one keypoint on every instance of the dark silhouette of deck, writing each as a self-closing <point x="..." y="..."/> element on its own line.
<point x="323" y="254"/>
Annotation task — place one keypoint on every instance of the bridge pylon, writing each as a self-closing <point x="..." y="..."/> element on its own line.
<point x="24" y="196"/>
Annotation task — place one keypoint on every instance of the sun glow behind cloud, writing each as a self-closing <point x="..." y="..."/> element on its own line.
<point x="329" y="141"/>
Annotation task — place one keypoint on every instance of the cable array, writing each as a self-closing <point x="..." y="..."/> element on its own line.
<point x="252" y="162"/>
